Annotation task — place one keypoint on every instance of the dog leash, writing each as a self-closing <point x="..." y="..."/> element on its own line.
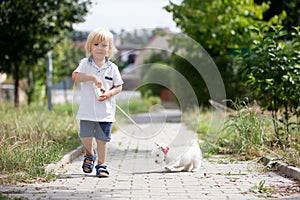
<point x="128" y="116"/>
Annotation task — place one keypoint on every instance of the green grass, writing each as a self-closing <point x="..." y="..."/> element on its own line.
<point x="133" y="106"/>
<point x="246" y="129"/>
<point x="32" y="137"/>
<point x="3" y="197"/>
<point x="247" y="134"/>
<point x="207" y="124"/>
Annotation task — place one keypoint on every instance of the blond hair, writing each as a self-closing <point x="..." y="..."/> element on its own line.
<point x="100" y="35"/>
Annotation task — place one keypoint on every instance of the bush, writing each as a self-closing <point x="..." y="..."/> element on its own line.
<point x="271" y="70"/>
<point x="158" y="76"/>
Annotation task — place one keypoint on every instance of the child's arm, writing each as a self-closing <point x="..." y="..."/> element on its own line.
<point x="82" y="77"/>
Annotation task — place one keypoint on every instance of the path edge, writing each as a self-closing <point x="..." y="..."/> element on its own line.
<point x="282" y="168"/>
<point x="67" y="158"/>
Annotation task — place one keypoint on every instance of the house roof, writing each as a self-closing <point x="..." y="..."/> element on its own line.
<point x="128" y="46"/>
<point x="158" y="42"/>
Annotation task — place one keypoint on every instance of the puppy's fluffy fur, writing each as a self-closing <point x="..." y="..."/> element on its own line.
<point x="190" y="160"/>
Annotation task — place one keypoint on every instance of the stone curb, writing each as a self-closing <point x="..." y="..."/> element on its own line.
<point x="282" y="168"/>
<point x="69" y="157"/>
<point x="167" y="115"/>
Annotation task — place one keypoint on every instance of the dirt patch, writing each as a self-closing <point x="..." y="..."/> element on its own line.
<point x="283" y="190"/>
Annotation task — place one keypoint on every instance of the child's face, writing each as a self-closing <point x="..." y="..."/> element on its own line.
<point x="100" y="49"/>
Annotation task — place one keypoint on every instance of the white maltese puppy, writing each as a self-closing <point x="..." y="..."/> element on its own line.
<point x="190" y="160"/>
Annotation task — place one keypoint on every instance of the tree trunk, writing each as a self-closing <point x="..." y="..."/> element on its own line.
<point x="30" y="87"/>
<point x="65" y="90"/>
<point x="16" y="77"/>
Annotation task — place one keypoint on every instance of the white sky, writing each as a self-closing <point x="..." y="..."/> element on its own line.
<point x="128" y="15"/>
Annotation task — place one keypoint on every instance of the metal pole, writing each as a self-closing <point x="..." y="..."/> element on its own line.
<point x="49" y="80"/>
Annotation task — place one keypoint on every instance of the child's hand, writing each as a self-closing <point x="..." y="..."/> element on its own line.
<point x="97" y="82"/>
<point x="105" y="95"/>
<point x="103" y="90"/>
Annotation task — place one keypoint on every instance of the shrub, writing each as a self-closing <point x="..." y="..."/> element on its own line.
<point x="158" y="76"/>
<point x="271" y="70"/>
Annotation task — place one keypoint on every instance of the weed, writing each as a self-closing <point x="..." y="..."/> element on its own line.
<point x="260" y="188"/>
<point x="231" y="174"/>
<point x="246" y="129"/>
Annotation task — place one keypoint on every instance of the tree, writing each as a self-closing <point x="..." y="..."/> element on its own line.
<point x="66" y="56"/>
<point x="221" y="27"/>
<point x="218" y="25"/>
<point x="29" y="29"/>
<point x="291" y="9"/>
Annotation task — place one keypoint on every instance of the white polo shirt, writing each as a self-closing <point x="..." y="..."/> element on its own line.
<point x="90" y="108"/>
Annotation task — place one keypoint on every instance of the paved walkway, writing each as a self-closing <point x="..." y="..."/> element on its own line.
<point x="134" y="175"/>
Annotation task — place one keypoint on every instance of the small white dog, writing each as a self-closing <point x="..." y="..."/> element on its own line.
<point x="190" y="160"/>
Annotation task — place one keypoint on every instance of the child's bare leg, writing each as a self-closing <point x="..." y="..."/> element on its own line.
<point x="87" y="143"/>
<point x="101" y="151"/>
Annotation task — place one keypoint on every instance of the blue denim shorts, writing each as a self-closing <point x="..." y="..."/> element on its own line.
<point x="98" y="130"/>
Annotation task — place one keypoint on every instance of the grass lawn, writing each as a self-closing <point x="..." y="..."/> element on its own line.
<point x="32" y="137"/>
